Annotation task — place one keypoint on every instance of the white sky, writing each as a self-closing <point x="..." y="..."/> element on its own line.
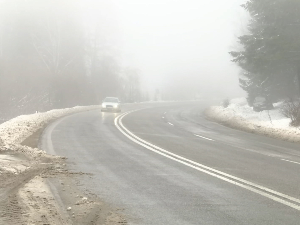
<point x="186" y="39"/>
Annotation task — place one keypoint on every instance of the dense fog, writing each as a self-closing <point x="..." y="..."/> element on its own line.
<point x="61" y="53"/>
<point x="182" y="47"/>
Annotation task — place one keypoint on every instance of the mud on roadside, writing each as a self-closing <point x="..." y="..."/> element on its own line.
<point x="41" y="190"/>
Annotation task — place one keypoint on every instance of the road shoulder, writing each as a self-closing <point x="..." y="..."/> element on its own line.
<point x="37" y="188"/>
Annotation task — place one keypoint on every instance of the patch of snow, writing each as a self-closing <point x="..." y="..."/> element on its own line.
<point x="83" y="200"/>
<point x="239" y="115"/>
<point x="238" y="102"/>
<point x="11" y="164"/>
<point x="16" y="130"/>
<point x="15" y="168"/>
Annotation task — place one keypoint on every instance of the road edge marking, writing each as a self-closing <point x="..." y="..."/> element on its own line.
<point x="261" y="190"/>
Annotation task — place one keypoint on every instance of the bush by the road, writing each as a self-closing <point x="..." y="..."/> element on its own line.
<point x="291" y="110"/>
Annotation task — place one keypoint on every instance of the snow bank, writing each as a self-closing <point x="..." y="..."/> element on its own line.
<point x="239" y="115"/>
<point x="15" y="131"/>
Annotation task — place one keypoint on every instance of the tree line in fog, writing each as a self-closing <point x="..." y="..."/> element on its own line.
<point x="269" y="53"/>
<point x="59" y="53"/>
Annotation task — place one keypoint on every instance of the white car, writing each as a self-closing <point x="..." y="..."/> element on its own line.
<point x="111" y="104"/>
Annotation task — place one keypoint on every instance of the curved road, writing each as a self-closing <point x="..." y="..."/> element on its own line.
<point x="166" y="164"/>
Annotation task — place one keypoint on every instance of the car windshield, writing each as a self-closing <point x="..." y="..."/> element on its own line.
<point x="111" y="100"/>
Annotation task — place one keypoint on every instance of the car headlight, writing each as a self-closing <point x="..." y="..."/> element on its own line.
<point x="116" y="106"/>
<point x="103" y="105"/>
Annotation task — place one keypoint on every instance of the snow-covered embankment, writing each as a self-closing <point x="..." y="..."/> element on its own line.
<point x="240" y="116"/>
<point x="15" y="131"/>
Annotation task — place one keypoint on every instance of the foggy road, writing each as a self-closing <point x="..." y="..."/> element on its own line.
<point x="166" y="164"/>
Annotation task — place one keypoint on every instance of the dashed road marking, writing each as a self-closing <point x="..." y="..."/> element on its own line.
<point x="290" y="161"/>
<point x="203" y="137"/>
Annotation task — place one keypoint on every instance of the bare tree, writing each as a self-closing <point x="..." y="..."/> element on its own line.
<point x="131" y="85"/>
<point x="50" y="58"/>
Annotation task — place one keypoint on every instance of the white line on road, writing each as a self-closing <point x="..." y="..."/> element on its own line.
<point x="171" y="124"/>
<point x="290" y="161"/>
<point x="204" y="137"/>
<point x="261" y="190"/>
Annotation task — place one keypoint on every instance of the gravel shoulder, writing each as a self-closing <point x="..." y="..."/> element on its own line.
<point x="37" y="188"/>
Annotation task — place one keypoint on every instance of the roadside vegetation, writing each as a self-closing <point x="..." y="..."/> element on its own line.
<point x="291" y="110"/>
<point x="66" y="57"/>
<point x="269" y="53"/>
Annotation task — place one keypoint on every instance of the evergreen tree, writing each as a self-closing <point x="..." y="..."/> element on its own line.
<point x="270" y="57"/>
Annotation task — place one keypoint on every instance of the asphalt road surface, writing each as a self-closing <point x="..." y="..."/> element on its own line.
<point x="166" y="164"/>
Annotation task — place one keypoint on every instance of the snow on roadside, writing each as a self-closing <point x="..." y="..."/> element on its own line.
<point x="30" y="167"/>
<point x="241" y="116"/>
<point x="15" y="131"/>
